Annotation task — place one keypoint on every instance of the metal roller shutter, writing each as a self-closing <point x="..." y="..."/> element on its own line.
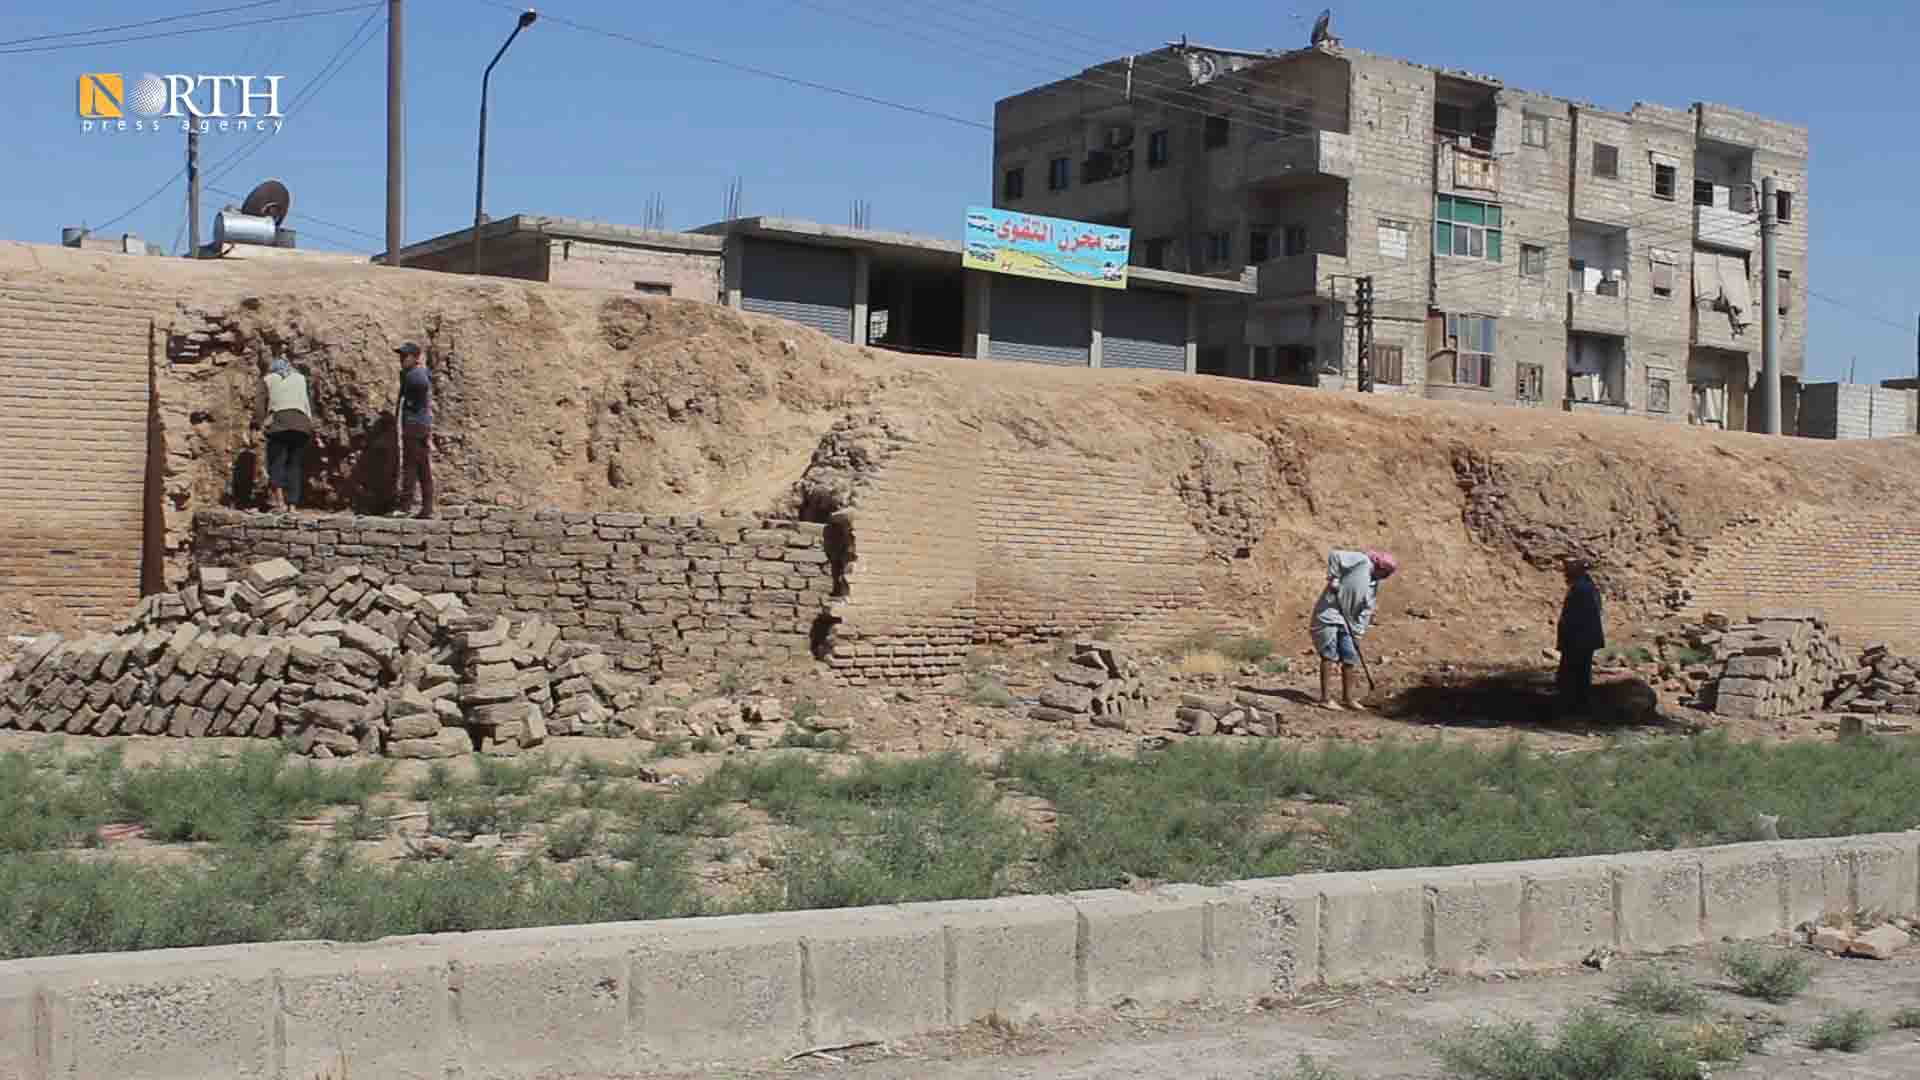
<point x="1144" y="329"/>
<point x="1044" y="322"/>
<point x="812" y="286"/>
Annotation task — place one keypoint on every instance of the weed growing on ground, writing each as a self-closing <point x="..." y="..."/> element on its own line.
<point x="574" y="838"/>
<point x="1659" y="992"/>
<point x="504" y="776"/>
<point x="1305" y="1068"/>
<point x="732" y="681"/>
<point x="1689" y="657"/>
<point x="1848" y="1031"/>
<point x="362" y="823"/>
<point x="670" y="746"/>
<point x="990" y="692"/>
<point x="801" y="739"/>
<point x="1278" y="665"/>
<point x="246" y="800"/>
<point x="805" y="709"/>
<point x="589" y="769"/>
<point x="1907" y="1019"/>
<point x="40" y="808"/>
<point x="1591" y="1045"/>
<point x="708" y="744"/>
<point x="1774" y="978"/>
<point x="437" y="784"/>
<point x="1202" y="663"/>
<point x="1234" y="648"/>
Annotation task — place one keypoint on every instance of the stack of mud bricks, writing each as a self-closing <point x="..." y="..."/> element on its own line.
<point x="1248" y="712"/>
<point x="1097" y="685"/>
<point x="1881" y="683"/>
<point x="670" y="594"/>
<point x="355" y="664"/>
<point x="1778" y="663"/>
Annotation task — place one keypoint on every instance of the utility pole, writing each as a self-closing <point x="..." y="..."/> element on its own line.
<point x="1363" y="317"/>
<point x="193" y="192"/>
<point x="1769" y="310"/>
<point x="396" y="133"/>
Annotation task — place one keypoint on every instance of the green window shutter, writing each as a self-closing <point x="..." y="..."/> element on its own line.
<point x="1470" y="213"/>
<point x="1442" y="238"/>
<point x="1493" y="245"/>
<point x="1493" y="217"/>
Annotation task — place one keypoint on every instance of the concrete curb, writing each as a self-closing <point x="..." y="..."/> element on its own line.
<point x="641" y="996"/>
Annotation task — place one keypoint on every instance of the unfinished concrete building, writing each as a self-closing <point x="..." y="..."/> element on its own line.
<point x="1524" y="249"/>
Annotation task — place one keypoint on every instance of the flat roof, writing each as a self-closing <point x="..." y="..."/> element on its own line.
<point x="564" y="228"/>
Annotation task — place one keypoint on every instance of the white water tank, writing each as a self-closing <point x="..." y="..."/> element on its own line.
<point x="233" y="227"/>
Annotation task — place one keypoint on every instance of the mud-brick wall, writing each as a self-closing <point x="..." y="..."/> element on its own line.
<point x="683" y="591"/>
<point x="1861" y="571"/>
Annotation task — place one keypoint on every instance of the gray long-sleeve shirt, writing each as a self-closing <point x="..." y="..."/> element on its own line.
<point x="1351" y="593"/>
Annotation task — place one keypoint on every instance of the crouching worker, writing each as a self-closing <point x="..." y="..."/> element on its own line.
<point x="1342" y="616"/>
<point x="1582" y="633"/>
<point x="286" y="412"/>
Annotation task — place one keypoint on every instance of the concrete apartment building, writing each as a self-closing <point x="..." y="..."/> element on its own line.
<point x="1524" y="249"/>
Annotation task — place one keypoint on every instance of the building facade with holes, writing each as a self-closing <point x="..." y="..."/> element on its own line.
<point x="1524" y="249"/>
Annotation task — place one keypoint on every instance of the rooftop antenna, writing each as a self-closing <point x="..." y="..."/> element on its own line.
<point x="1323" y="29"/>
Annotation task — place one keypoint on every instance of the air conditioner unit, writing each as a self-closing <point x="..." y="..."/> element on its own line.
<point x="1119" y="135"/>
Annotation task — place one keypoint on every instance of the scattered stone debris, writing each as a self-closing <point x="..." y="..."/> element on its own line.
<point x="1099" y="685"/>
<point x="1881" y="942"/>
<point x="1777" y="663"/>
<point x="1880" y="683"/>
<point x="1247" y="712"/>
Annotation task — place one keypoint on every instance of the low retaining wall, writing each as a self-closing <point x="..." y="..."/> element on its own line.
<point x="632" y="997"/>
<point x="668" y="592"/>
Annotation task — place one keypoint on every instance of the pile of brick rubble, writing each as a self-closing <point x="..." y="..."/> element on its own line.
<point x="1097" y="685"/>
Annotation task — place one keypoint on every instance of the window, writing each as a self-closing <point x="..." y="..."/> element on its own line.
<point x="1659" y="394"/>
<point x="1784" y="287"/>
<point x="1533" y="130"/>
<point x="1393" y="238"/>
<point x="1219" y="248"/>
<point x="1664" y="179"/>
<point x="1530" y="382"/>
<point x="1389" y="365"/>
<point x="1014" y="187"/>
<point x="1293" y="361"/>
<point x="1533" y="261"/>
<point x="1259" y="245"/>
<point x="1159" y="149"/>
<point x="1466" y="228"/>
<point x="1157" y="252"/>
<point x="1216" y="132"/>
<point x="1703" y="193"/>
<point x="1662" y="263"/>
<point x="1471" y="338"/>
<point x="1211" y="360"/>
<point x="1059" y="172"/>
<point x="652" y="288"/>
<point x="1296" y="240"/>
<point x="1262" y="362"/>
<point x="1783" y="206"/>
<point x="1608" y="285"/>
<point x="1606" y="161"/>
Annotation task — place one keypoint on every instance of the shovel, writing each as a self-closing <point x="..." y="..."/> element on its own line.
<point x="1367" y="671"/>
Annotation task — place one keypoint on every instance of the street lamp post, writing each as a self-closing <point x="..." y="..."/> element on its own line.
<point x="480" y="166"/>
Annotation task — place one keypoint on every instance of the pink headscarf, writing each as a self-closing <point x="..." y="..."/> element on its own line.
<point x="1382" y="561"/>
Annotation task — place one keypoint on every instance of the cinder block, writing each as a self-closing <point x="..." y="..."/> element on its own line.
<point x="1150" y="947"/>
<point x="381" y="1007"/>
<point x="1014" y="957"/>
<point x="161" y="1015"/>
<point x="708" y="988"/>
<point x="1272" y="945"/>
<point x="1817" y="879"/>
<point x="1656" y="900"/>
<point x="1885" y="869"/>
<point x="1566" y="909"/>
<point x="1372" y="926"/>
<point x="1475" y="915"/>
<point x="872" y="973"/>
<point x="552" y="998"/>
<point x="1744" y="891"/>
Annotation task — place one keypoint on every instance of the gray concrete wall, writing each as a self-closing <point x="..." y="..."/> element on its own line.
<point x="643" y="996"/>
<point x="1854" y="411"/>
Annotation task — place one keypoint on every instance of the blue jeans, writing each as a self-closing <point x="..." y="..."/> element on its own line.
<point x="1335" y="643"/>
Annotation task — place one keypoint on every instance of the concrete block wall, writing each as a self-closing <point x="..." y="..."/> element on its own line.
<point x="644" y="997"/>
<point x="686" y="275"/>
<point x="74" y="428"/>
<point x="1860" y="571"/>
<point x="1855" y="411"/>
<point x="674" y="592"/>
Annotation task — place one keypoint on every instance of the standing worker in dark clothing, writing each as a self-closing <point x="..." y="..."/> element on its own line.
<point x="416" y="426"/>
<point x="1581" y="635"/>
<point x="286" y="413"/>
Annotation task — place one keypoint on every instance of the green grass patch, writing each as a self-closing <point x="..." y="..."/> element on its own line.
<point x="248" y="799"/>
<point x="1773" y="977"/>
<point x="1659" y="992"/>
<point x="1690" y="657"/>
<point x="574" y="838"/>
<point x="1239" y="648"/>
<point x="1592" y="1044"/>
<point x="1305" y="1068"/>
<point x="1907" y="1019"/>
<point x="1848" y="1031"/>
<point x="990" y="692"/>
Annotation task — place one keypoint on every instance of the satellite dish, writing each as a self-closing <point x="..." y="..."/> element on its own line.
<point x="270" y="199"/>
<point x="1323" y="27"/>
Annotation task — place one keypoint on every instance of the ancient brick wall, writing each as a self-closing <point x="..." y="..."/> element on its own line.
<point x="1860" y="571"/>
<point x="671" y="593"/>
<point x="73" y="445"/>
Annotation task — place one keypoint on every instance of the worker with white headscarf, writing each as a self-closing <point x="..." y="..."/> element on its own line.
<point x="286" y="413"/>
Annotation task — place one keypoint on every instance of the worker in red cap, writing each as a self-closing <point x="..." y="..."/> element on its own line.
<point x="1343" y="614"/>
<point x="416" y="430"/>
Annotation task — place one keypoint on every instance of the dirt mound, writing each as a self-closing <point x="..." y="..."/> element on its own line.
<point x="580" y="399"/>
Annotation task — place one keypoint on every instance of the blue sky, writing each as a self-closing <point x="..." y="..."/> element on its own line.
<point x="591" y="126"/>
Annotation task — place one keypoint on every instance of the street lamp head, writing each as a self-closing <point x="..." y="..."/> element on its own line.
<point x="527" y="17"/>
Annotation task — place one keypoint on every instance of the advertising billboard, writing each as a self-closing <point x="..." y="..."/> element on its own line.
<point x="1052" y="249"/>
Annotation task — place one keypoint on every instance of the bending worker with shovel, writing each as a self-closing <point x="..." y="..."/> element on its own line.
<point x="1342" y="616"/>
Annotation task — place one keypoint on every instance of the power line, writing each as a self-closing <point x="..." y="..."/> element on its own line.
<point x="241" y="24"/>
<point x="136" y="25"/>
<point x="1869" y="316"/>
<point x="303" y="215"/>
<point x="141" y="205"/>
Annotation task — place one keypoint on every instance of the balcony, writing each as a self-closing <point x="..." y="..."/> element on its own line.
<point x="1302" y="275"/>
<point x="1602" y="312"/>
<point x="1738" y="230"/>
<point x="1311" y="154"/>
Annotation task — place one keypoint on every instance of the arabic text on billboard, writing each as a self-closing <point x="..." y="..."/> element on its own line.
<point x="1054" y="249"/>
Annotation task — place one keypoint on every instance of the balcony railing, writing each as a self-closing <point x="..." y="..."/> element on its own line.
<point x="1721" y="227"/>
